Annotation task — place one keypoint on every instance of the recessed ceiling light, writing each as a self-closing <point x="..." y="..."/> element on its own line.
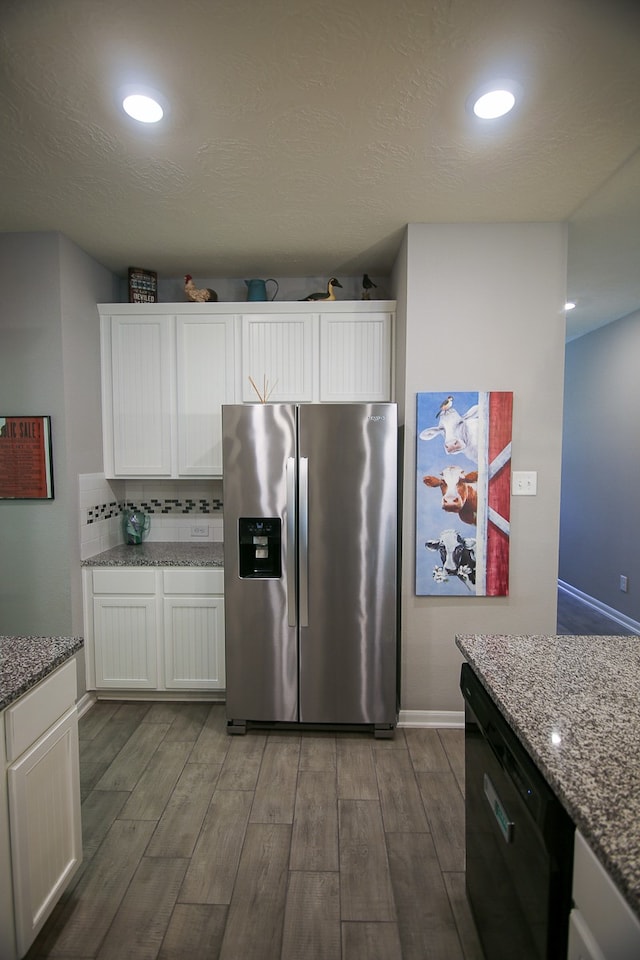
<point x="494" y="99"/>
<point x="494" y="104"/>
<point x="569" y="305"/>
<point x="142" y="108"/>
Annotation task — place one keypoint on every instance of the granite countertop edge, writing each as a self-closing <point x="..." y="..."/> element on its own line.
<point x="25" y="661"/>
<point x="160" y="554"/>
<point x="572" y="703"/>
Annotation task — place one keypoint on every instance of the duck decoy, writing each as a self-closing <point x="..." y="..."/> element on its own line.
<point x="325" y="295"/>
<point x="367" y="284"/>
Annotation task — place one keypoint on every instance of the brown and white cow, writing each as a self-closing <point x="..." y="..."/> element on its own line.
<point x="459" y="494"/>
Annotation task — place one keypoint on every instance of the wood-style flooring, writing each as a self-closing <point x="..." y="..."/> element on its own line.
<point x="577" y="618"/>
<point x="272" y="846"/>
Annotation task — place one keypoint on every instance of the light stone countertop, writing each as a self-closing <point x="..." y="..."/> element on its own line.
<point x="160" y="554"/>
<point x="574" y="703"/>
<point x="24" y="661"/>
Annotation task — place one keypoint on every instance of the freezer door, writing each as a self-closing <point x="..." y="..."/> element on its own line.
<point x="348" y="558"/>
<point x="259" y="449"/>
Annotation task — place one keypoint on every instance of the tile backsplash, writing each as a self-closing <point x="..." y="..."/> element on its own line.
<point x="179" y="510"/>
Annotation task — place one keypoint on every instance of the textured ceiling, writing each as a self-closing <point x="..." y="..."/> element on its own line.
<point x="302" y="135"/>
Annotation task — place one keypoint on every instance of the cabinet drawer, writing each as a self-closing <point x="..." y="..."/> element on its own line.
<point x="39" y="709"/>
<point x="123" y="580"/>
<point x="185" y="580"/>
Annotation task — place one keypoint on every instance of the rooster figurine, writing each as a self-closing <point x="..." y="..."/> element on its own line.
<point x="202" y="295"/>
<point x="325" y="295"/>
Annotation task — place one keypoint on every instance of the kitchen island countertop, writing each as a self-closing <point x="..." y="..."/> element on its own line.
<point x="574" y="703"/>
<point x="160" y="554"/>
<point x="24" y="661"/>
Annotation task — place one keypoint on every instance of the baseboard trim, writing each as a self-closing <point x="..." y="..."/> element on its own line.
<point x="154" y="696"/>
<point x="85" y="703"/>
<point x="406" y="718"/>
<point x="431" y="718"/>
<point x="92" y="696"/>
<point x="632" y="626"/>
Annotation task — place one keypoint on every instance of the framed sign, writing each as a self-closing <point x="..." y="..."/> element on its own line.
<point x="143" y="285"/>
<point x="25" y="458"/>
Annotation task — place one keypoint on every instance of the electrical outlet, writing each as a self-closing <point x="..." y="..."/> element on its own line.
<point x="524" y="483"/>
<point x="624" y="583"/>
<point x="202" y="530"/>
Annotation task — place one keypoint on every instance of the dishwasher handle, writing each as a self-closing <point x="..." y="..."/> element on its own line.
<point x="505" y="825"/>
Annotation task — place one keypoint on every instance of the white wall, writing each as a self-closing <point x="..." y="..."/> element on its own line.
<point x="49" y="365"/>
<point x="34" y="562"/>
<point x="171" y="289"/>
<point x="82" y="281"/>
<point x="483" y="309"/>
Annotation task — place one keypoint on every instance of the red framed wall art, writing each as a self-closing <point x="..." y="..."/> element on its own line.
<point x="25" y="458"/>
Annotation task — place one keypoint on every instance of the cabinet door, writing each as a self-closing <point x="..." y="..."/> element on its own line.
<point x="205" y="380"/>
<point x="602" y="924"/>
<point x="46" y="832"/>
<point x="277" y="352"/>
<point x="355" y="357"/>
<point x="142" y="391"/>
<point x="194" y="643"/>
<point x="125" y="643"/>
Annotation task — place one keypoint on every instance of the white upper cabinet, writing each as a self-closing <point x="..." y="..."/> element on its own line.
<point x="137" y="395"/>
<point x="205" y="380"/>
<point x="165" y="376"/>
<point x="355" y="357"/>
<point x="278" y="356"/>
<point x="340" y="351"/>
<point x="167" y="369"/>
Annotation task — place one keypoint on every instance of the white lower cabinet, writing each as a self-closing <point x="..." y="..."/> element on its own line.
<point x="193" y="629"/>
<point x="126" y="653"/>
<point x="43" y="793"/>
<point x="602" y="925"/>
<point x="154" y="629"/>
<point x="124" y="633"/>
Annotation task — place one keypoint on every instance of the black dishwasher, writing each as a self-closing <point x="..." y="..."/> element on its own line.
<point x="519" y="840"/>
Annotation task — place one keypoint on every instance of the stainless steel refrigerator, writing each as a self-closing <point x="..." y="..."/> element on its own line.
<point x="310" y="564"/>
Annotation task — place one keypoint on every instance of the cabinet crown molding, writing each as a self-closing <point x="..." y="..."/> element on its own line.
<point x="241" y="307"/>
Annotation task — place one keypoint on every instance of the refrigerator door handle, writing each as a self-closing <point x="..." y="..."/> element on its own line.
<point x="291" y="540"/>
<point x="304" y="541"/>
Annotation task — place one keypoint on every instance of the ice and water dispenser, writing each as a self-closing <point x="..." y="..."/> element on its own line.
<point x="260" y="547"/>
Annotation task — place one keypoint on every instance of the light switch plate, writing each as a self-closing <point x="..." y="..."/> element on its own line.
<point x="524" y="483"/>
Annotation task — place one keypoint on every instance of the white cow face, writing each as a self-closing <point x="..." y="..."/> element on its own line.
<point x="459" y="433"/>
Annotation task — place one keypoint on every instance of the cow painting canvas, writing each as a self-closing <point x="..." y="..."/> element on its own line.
<point x="463" y="488"/>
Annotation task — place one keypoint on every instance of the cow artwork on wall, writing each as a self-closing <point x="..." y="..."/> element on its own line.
<point x="463" y="489"/>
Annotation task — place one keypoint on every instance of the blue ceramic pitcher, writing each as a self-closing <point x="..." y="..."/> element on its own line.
<point x="257" y="289"/>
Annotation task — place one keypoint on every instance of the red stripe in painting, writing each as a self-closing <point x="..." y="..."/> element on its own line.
<point x="500" y="419"/>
